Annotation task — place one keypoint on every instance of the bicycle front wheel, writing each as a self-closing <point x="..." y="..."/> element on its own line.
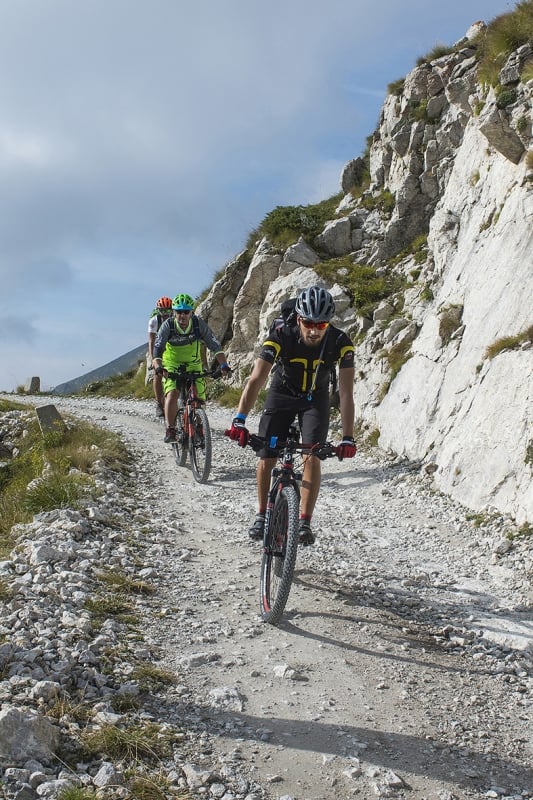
<point x="279" y="555"/>
<point x="200" y="445"/>
<point x="180" y="446"/>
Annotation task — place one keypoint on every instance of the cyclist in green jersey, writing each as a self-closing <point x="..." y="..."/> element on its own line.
<point x="178" y="342"/>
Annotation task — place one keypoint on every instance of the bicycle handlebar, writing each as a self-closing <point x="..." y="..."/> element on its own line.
<point x="182" y="373"/>
<point x="322" y="450"/>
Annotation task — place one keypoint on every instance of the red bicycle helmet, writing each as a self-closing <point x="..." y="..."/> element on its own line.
<point x="164" y="302"/>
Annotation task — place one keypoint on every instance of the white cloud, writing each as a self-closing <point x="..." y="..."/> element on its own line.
<point x="141" y="142"/>
<point x="18" y="148"/>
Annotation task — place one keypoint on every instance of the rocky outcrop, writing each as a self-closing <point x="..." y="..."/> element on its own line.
<point x="450" y="160"/>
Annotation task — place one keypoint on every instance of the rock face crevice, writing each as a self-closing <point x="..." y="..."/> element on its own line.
<point x="456" y="158"/>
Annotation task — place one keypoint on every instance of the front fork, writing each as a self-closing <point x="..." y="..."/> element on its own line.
<point x="183" y="412"/>
<point x="276" y="486"/>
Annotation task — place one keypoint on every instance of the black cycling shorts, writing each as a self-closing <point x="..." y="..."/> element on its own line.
<point x="280" y="412"/>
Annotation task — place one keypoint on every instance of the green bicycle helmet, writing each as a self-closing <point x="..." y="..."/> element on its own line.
<point x="183" y="302"/>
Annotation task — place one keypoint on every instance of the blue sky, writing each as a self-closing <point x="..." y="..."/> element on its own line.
<point x="141" y="141"/>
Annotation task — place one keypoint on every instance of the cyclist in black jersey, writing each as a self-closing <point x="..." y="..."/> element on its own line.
<point x="304" y="353"/>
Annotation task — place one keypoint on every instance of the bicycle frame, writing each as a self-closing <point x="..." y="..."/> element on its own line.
<point x="188" y="391"/>
<point x="283" y="474"/>
<point x="281" y="531"/>
<point x="193" y="434"/>
<point x="188" y="399"/>
<point x="286" y="472"/>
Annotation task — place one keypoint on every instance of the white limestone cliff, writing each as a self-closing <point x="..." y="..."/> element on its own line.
<point x="449" y="404"/>
<point x="460" y="169"/>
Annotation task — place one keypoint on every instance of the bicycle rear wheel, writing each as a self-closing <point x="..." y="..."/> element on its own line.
<point x="180" y="446"/>
<point x="279" y="555"/>
<point x="200" y="445"/>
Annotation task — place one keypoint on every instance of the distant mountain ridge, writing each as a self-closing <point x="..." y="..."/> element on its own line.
<point x="116" y="367"/>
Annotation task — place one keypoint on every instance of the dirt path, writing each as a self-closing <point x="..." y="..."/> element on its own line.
<point x="402" y="667"/>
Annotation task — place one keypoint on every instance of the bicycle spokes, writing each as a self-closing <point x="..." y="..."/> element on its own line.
<point x="279" y="555"/>
<point x="200" y="447"/>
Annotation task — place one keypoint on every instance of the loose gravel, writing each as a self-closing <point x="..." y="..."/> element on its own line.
<point x="403" y="664"/>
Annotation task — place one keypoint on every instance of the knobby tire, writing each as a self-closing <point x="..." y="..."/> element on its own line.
<point x="180" y="446"/>
<point x="200" y="446"/>
<point x="279" y="555"/>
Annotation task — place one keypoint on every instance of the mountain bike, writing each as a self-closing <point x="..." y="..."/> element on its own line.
<point x="281" y="533"/>
<point x="193" y="433"/>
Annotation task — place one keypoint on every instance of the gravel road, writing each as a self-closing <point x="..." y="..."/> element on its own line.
<point x="402" y="667"/>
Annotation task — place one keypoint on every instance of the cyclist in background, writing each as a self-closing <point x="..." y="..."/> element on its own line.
<point x="161" y="312"/>
<point x="178" y="342"/>
<point x="304" y="352"/>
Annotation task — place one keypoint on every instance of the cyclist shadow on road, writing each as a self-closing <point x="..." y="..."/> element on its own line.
<point x="423" y="755"/>
<point x="237" y="475"/>
<point x="398" y="610"/>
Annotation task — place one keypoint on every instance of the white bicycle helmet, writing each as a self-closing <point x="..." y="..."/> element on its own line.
<point x="315" y="304"/>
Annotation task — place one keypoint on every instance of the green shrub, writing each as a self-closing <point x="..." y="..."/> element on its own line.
<point x="137" y="742"/>
<point x="25" y="489"/>
<point x="151" y="678"/>
<point x="285" y="224"/>
<point x="142" y="787"/>
<point x="126" y="584"/>
<point x="503" y="35"/>
<point x="5" y="593"/>
<point x="122" y="703"/>
<point x="396" y="87"/>
<point x="384" y="201"/>
<point x="449" y="322"/>
<point x="438" y="51"/>
<point x="527" y="71"/>
<point x="55" y="490"/>
<point x="127" y="384"/>
<point x="103" y="608"/>
<point x="76" y="793"/>
<point x="373" y="438"/>
<point x="359" y="281"/>
<point x="397" y="356"/>
<point x="426" y="294"/>
<point x="418" y="110"/>
<point x="505" y="97"/>
<point x="229" y="396"/>
<point x="418" y="248"/>
<point x="509" y="343"/>
<point x="525" y="530"/>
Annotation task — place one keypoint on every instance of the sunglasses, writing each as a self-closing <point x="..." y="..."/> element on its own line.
<point x="320" y="326"/>
<point x="165" y="312"/>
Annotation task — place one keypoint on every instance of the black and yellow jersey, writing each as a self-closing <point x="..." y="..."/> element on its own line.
<point x="296" y="362"/>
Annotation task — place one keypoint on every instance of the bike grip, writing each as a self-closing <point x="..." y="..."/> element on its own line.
<point x="256" y="442"/>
